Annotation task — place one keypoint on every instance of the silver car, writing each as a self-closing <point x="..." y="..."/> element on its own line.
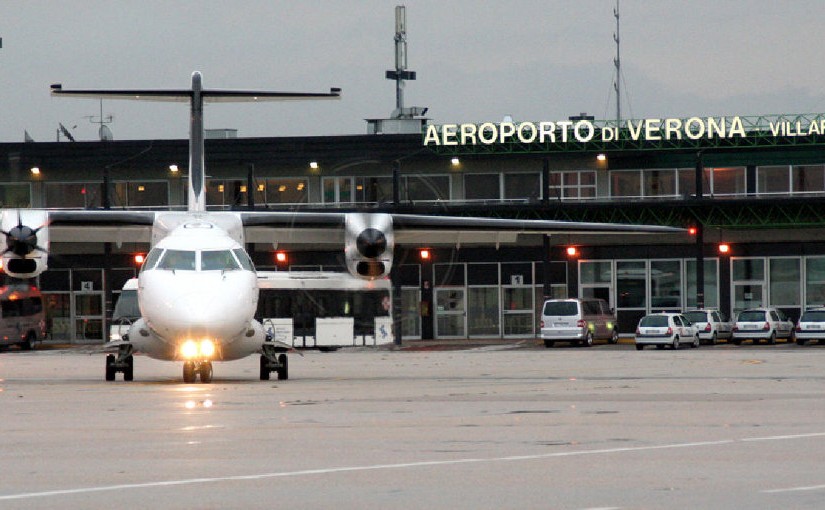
<point x="711" y="325"/>
<point x="762" y="324"/>
<point x="662" y="329"/>
<point x="811" y="326"/>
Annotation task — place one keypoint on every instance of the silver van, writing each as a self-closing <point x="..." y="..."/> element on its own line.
<point x="578" y="321"/>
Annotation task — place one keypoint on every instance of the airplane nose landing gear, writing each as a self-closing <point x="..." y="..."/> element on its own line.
<point x="191" y="370"/>
<point x="274" y="359"/>
<point x="123" y="362"/>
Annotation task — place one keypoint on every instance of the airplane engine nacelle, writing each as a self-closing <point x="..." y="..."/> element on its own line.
<point x="369" y="244"/>
<point x="27" y="242"/>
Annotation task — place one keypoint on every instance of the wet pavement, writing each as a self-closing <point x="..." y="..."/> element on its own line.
<point x="500" y="425"/>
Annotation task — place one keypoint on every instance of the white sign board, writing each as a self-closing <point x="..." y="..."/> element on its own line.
<point x="383" y="330"/>
<point x="279" y="329"/>
<point x="334" y="332"/>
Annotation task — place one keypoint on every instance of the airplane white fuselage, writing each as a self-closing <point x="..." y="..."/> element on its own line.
<point x="198" y="303"/>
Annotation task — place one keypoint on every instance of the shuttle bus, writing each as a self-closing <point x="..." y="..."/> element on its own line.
<point x="325" y="310"/>
<point x="126" y="310"/>
<point x="22" y="318"/>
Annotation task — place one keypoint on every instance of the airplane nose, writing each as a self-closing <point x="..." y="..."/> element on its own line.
<point x="215" y="310"/>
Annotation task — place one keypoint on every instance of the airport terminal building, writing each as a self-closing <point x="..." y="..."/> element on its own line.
<point x="753" y="184"/>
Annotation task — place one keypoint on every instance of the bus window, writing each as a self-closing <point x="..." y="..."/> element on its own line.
<point x="127" y="306"/>
<point x="10" y="308"/>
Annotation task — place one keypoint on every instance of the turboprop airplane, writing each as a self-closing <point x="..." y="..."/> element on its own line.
<point x="197" y="289"/>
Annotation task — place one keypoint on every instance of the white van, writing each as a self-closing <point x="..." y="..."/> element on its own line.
<point x="126" y="311"/>
<point x="22" y="319"/>
<point x="578" y="321"/>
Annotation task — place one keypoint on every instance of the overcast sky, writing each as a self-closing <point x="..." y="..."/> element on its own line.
<point x="476" y="61"/>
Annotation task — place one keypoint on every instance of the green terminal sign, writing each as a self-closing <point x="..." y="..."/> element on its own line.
<point x="639" y="134"/>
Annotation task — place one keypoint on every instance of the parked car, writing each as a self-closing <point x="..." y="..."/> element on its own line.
<point x="711" y="325"/>
<point x="662" y="329"/>
<point x="811" y="326"/>
<point x="759" y="324"/>
<point x="579" y="321"/>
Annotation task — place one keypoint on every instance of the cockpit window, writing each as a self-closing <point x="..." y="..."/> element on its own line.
<point x="151" y="259"/>
<point x="178" y="260"/>
<point x="221" y="260"/>
<point x="243" y="258"/>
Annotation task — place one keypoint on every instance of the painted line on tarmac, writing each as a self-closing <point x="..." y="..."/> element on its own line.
<point x="406" y="465"/>
<point x="794" y="489"/>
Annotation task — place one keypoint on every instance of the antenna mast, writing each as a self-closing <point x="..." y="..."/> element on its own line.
<point x="103" y="131"/>
<point x="401" y="74"/>
<point x="618" y="63"/>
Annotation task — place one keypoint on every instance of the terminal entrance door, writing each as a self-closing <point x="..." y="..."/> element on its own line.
<point x="450" y="313"/>
<point x="58" y="316"/>
<point x="74" y="304"/>
<point x="88" y="316"/>
<point x="748" y="282"/>
<point x="748" y="295"/>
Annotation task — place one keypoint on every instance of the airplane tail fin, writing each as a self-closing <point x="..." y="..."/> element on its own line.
<point x="196" y="96"/>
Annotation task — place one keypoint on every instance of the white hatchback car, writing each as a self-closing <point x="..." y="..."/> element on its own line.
<point x="811" y="326"/>
<point x="711" y="325"/>
<point x="762" y="324"/>
<point x="662" y="329"/>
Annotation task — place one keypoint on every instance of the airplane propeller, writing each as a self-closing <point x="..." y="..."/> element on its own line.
<point x="371" y="243"/>
<point x="22" y="240"/>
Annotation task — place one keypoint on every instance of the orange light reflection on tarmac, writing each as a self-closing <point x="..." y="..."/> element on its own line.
<point x="192" y="404"/>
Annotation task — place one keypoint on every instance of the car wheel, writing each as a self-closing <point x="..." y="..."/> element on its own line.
<point x="614" y="339"/>
<point x="800" y="341"/>
<point x="549" y="343"/>
<point x="675" y="343"/>
<point x="736" y="341"/>
<point x="696" y="342"/>
<point x="639" y="347"/>
<point x="772" y="339"/>
<point x="588" y="340"/>
<point x="714" y="339"/>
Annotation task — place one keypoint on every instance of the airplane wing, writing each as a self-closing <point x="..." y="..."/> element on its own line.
<point x="326" y="228"/>
<point x="321" y="228"/>
<point x="109" y="226"/>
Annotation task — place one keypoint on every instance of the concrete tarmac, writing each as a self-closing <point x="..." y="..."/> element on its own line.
<point x="489" y="427"/>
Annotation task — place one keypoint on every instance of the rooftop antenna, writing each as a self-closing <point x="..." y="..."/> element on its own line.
<point x="103" y="131"/>
<point x="618" y="63"/>
<point x="404" y="119"/>
<point x="401" y="74"/>
<point x="61" y="129"/>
